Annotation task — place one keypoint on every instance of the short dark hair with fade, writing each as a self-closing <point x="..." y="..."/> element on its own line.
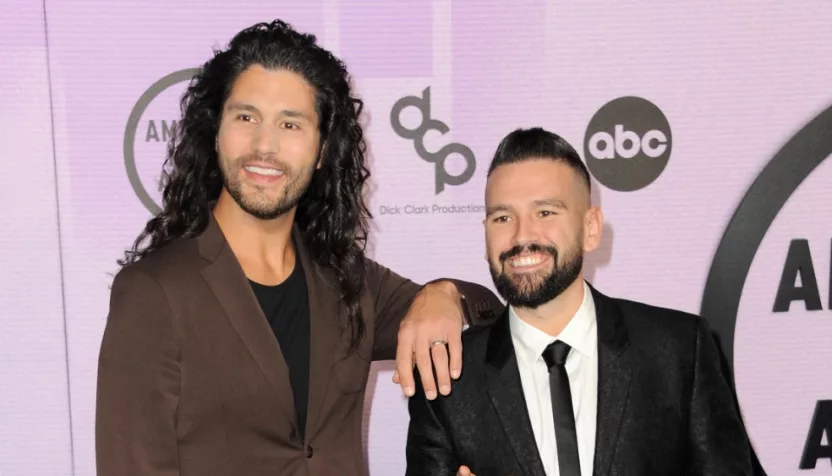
<point x="521" y="145"/>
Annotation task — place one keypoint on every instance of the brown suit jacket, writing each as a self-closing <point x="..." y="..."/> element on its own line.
<point x="191" y="380"/>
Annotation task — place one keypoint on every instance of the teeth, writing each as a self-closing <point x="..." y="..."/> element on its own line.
<point x="526" y="261"/>
<point x="263" y="170"/>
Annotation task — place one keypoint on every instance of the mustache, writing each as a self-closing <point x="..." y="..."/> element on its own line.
<point x="530" y="248"/>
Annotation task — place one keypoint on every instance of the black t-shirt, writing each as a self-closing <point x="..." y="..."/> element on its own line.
<point x="286" y="306"/>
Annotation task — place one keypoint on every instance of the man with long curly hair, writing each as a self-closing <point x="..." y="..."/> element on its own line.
<point x="245" y="317"/>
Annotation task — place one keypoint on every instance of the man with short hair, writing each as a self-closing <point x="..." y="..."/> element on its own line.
<point x="569" y="381"/>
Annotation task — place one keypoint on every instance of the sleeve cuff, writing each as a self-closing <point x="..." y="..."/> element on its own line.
<point x="463" y="301"/>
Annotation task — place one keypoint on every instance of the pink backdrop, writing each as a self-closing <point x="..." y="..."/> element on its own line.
<point x="735" y="80"/>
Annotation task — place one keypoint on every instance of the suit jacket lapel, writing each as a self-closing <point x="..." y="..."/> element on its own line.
<point x="324" y="329"/>
<point x="227" y="280"/>
<point x="506" y="392"/>
<point x="613" y="379"/>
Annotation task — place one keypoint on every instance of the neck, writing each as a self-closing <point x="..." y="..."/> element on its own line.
<point x="263" y="247"/>
<point x="554" y="315"/>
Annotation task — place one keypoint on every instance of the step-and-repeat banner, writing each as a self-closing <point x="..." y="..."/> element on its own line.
<point x="705" y="125"/>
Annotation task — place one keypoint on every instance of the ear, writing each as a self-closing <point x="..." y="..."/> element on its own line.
<point x="593" y="227"/>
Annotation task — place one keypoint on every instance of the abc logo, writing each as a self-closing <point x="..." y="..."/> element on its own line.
<point x="653" y="144"/>
<point x="627" y="144"/>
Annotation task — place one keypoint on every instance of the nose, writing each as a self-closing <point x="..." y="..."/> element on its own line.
<point x="525" y="232"/>
<point x="266" y="140"/>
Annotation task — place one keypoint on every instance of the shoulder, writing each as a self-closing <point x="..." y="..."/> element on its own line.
<point x="175" y="262"/>
<point x="475" y="338"/>
<point x="474" y="348"/>
<point x="469" y="385"/>
<point x="660" y="328"/>
<point x="645" y="317"/>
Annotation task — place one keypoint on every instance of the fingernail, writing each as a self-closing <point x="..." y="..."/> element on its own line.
<point x="455" y="373"/>
<point x="430" y="394"/>
<point x="445" y="389"/>
<point x="408" y="391"/>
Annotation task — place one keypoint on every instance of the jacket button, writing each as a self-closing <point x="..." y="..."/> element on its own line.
<point x="309" y="452"/>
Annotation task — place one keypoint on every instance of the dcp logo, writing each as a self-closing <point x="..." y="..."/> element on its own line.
<point x="417" y="135"/>
<point x="627" y="144"/>
<point x="149" y="128"/>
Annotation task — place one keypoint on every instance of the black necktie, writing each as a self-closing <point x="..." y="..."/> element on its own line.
<point x="565" y="433"/>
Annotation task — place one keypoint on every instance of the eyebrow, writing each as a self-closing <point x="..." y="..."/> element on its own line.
<point x="240" y="106"/>
<point x="551" y="202"/>
<point x="497" y="208"/>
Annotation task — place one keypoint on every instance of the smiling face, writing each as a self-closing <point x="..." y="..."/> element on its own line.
<point x="538" y="225"/>
<point x="268" y="141"/>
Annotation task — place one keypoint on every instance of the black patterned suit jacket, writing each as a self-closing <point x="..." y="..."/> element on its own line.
<point x="665" y="405"/>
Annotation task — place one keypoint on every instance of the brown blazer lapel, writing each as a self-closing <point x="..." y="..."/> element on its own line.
<point x="324" y="329"/>
<point x="227" y="280"/>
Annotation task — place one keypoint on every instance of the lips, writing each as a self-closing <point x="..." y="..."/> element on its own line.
<point x="528" y="255"/>
<point x="528" y="260"/>
<point x="263" y="170"/>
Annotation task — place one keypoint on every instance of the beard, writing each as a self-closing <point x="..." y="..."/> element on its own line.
<point x="531" y="290"/>
<point x="256" y="200"/>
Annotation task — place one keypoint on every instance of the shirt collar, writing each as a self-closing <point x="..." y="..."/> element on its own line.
<point x="579" y="333"/>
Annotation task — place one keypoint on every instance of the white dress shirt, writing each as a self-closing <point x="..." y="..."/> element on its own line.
<point x="581" y="367"/>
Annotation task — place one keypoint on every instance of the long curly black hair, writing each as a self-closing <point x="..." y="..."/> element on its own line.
<point x="331" y="214"/>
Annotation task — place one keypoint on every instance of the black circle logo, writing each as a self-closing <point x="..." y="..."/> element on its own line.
<point x="748" y="226"/>
<point x="133" y="125"/>
<point x="627" y="144"/>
